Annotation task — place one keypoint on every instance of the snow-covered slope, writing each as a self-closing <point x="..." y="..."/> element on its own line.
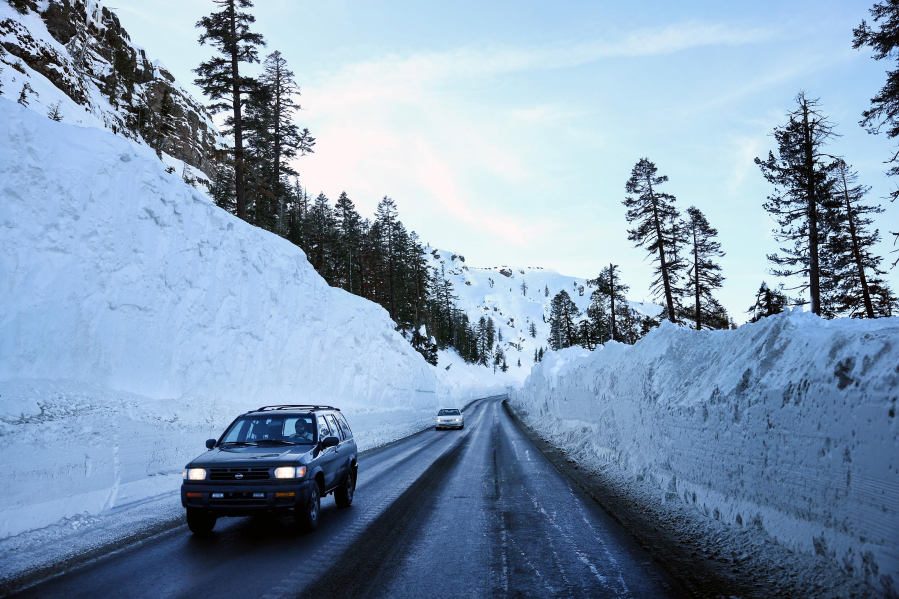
<point x="496" y="292"/>
<point x="137" y="318"/>
<point x="76" y="57"/>
<point x="789" y="425"/>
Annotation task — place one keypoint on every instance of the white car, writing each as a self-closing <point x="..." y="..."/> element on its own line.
<point x="450" y="418"/>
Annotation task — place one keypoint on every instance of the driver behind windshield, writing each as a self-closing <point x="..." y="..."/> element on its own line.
<point x="303" y="431"/>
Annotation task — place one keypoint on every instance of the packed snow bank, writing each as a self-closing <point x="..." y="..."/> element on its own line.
<point x="788" y="424"/>
<point x="137" y="318"/>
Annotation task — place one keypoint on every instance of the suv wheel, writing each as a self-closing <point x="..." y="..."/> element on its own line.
<point x="200" y="522"/>
<point x="306" y="517"/>
<point x="343" y="494"/>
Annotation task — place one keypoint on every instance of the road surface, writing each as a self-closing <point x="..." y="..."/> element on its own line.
<point x="473" y="513"/>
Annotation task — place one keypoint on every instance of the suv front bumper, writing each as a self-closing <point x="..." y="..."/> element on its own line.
<point x="243" y="500"/>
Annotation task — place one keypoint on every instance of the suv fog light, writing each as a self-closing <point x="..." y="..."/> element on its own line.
<point x="195" y="495"/>
<point x="258" y="495"/>
<point x="286" y="494"/>
<point x="218" y="495"/>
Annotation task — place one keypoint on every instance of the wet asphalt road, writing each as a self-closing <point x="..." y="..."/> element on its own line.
<point x="472" y="513"/>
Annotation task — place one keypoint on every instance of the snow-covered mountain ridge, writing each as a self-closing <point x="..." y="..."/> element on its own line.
<point x="75" y="57"/>
<point x="515" y="297"/>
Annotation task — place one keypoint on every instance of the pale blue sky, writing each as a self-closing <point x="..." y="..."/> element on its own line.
<point x="505" y="131"/>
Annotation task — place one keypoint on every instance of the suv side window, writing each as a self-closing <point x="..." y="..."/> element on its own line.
<point x="334" y="427"/>
<point x="323" y="430"/>
<point x="346" y="427"/>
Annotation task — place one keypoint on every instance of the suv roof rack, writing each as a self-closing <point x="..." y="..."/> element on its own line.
<point x="296" y="406"/>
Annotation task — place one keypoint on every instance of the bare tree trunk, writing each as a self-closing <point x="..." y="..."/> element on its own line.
<point x="869" y="307"/>
<point x="612" y="300"/>
<point x="814" y="268"/>
<point x="696" y="280"/>
<point x="669" y="299"/>
<point x="238" y="125"/>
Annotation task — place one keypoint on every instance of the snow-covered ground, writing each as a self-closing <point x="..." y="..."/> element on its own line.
<point x="137" y="319"/>
<point x="788" y="425"/>
<point x="497" y="293"/>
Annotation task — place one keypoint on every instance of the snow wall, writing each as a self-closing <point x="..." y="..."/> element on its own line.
<point x="137" y="319"/>
<point x="789" y="424"/>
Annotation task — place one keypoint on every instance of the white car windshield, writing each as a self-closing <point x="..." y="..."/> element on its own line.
<point x="448" y="413"/>
<point x="275" y="429"/>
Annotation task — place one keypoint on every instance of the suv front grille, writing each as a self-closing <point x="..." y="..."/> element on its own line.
<point x="239" y="474"/>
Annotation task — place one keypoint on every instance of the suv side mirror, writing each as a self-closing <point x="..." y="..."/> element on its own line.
<point x="331" y="441"/>
<point x="210" y="443"/>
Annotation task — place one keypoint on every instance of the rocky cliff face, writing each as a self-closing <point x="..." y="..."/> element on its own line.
<point x="79" y="48"/>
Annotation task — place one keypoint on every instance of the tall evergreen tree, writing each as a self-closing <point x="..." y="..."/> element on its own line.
<point x="852" y="242"/>
<point x="228" y="31"/>
<point x="598" y="318"/>
<point x="704" y="275"/>
<point x="609" y="286"/>
<point x="286" y="138"/>
<point x="652" y="212"/>
<point x="563" y="315"/>
<point x="800" y="204"/>
<point x="349" y="241"/>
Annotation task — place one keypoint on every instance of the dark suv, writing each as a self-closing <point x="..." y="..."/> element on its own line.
<point x="277" y="459"/>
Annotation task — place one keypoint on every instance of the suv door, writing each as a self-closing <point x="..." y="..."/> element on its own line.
<point x="328" y="457"/>
<point x="343" y="454"/>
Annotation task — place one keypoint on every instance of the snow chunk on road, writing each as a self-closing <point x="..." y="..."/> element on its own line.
<point x="789" y="424"/>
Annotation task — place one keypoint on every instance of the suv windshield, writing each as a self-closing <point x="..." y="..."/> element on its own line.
<point x="448" y="413"/>
<point x="275" y="428"/>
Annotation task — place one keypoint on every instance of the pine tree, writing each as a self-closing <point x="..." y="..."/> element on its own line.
<point x="884" y="41"/>
<point x="563" y="321"/>
<point x="23" y="95"/>
<point x="532" y="329"/>
<point x="53" y="112"/>
<point x="349" y="241"/>
<point x="228" y="31"/>
<point x="598" y="319"/>
<point x="524" y="287"/>
<point x="704" y="275"/>
<point x="800" y="204"/>
<point x="768" y="302"/>
<point x="546" y="291"/>
<point x="286" y="138"/>
<point x="653" y="212"/>
<point x="608" y="285"/>
<point x="851" y="243"/>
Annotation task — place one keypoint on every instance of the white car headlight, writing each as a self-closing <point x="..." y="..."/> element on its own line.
<point x="290" y="472"/>
<point x="195" y="474"/>
<point x="458" y="420"/>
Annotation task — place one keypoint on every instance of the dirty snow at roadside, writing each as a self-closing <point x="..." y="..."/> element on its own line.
<point x="789" y="425"/>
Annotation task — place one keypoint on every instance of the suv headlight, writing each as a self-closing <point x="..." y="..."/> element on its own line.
<point x="195" y="474"/>
<point x="290" y="472"/>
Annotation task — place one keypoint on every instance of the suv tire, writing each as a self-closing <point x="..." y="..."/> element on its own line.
<point x="200" y="522"/>
<point x="307" y="517"/>
<point x="343" y="495"/>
